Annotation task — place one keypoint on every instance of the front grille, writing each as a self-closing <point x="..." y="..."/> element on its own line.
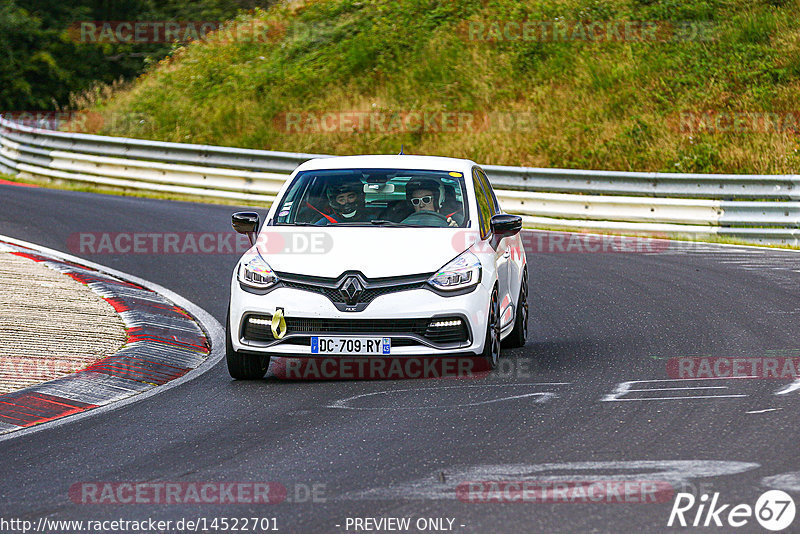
<point x="331" y="293"/>
<point x="299" y="329"/>
<point x="368" y="295"/>
<point x="372" y="288"/>
<point x="357" y="326"/>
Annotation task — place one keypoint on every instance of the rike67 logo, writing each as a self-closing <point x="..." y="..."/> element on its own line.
<point x="774" y="510"/>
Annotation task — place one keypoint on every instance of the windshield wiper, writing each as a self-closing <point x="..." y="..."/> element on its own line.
<point x="377" y="222"/>
<point x="384" y="222"/>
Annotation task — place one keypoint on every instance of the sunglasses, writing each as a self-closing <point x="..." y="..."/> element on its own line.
<point x="427" y="199"/>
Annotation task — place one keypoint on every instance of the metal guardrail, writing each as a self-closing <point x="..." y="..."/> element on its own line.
<point x="756" y="208"/>
<point x="652" y="184"/>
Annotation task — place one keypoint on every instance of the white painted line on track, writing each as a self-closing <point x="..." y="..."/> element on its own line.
<point x="677" y="398"/>
<point x="542" y="397"/>
<point x="680" y="389"/>
<point x="625" y="388"/>
<point x="785" y="481"/>
<point x="794" y="386"/>
<point x="213" y="329"/>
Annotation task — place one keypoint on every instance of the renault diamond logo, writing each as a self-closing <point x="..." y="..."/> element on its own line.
<point x="351" y="289"/>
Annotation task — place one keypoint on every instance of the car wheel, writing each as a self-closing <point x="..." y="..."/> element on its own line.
<point x="243" y="366"/>
<point x="491" y="346"/>
<point x="519" y="335"/>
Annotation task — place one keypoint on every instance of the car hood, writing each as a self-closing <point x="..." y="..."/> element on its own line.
<point x="376" y="252"/>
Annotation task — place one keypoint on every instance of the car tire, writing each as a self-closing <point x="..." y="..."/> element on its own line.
<point x="491" y="345"/>
<point x="243" y="366"/>
<point x="519" y="335"/>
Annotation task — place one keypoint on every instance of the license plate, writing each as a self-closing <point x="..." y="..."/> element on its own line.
<point x="350" y="345"/>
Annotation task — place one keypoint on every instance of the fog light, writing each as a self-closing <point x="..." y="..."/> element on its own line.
<point x="440" y="324"/>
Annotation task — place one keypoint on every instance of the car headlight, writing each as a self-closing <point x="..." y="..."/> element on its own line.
<point x="462" y="272"/>
<point x="257" y="273"/>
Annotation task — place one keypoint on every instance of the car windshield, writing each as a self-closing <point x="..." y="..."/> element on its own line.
<point x="375" y="197"/>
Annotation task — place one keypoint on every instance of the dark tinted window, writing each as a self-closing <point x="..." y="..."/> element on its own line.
<point x="490" y="192"/>
<point x="484" y="210"/>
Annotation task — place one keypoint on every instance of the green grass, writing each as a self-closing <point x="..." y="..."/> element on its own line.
<point x="602" y="105"/>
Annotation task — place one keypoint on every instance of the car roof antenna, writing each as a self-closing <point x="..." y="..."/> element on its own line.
<point x="401" y="151"/>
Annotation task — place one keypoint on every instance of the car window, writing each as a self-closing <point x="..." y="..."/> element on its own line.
<point x="494" y="205"/>
<point x="484" y="210"/>
<point x="367" y="197"/>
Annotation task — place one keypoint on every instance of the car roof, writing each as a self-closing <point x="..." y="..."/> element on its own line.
<point x="433" y="163"/>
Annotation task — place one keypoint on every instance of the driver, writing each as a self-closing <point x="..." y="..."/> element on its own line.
<point x="424" y="195"/>
<point x="346" y="200"/>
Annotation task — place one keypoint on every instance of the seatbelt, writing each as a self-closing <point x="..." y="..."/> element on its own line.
<point x="330" y="219"/>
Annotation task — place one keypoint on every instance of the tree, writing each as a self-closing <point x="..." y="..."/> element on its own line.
<point x="42" y="62"/>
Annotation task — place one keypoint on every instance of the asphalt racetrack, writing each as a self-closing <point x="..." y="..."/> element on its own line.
<point x="591" y="397"/>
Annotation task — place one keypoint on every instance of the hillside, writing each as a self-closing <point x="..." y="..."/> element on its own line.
<point x="656" y="85"/>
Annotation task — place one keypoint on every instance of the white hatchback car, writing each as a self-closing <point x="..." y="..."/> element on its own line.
<point x="378" y="256"/>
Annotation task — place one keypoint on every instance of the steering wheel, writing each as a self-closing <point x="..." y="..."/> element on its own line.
<point x="427" y="218"/>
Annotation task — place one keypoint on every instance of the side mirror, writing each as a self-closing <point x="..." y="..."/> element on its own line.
<point x="504" y="225"/>
<point x="246" y="222"/>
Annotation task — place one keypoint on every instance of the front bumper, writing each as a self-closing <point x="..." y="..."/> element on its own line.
<point x="314" y="314"/>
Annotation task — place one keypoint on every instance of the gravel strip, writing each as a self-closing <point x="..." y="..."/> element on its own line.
<point x="50" y="324"/>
